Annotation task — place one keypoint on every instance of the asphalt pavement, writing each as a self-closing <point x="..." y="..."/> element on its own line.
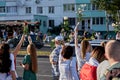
<point x="44" y="68"/>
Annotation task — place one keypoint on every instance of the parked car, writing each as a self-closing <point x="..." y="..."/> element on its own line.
<point x="14" y="41"/>
<point x="94" y="43"/>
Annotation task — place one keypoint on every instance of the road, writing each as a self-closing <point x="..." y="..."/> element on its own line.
<point x="44" y="68"/>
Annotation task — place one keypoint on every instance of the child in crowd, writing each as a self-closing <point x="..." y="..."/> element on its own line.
<point x="82" y="52"/>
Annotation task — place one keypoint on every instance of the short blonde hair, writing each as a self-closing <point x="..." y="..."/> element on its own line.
<point x="112" y="49"/>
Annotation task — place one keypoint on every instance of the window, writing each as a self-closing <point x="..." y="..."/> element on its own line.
<point x="71" y="21"/>
<point x="93" y="21"/>
<point x="39" y="9"/>
<point x="11" y="9"/>
<point x="40" y="22"/>
<point x="51" y="9"/>
<point x="88" y="24"/>
<point x="51" y="23"/>
<point x="2" y="9"/>
<point x="28" y="9"/>
<point x="28" y="0"/>
<point x="88" y="6"/>
<point x="68" y="7"/>
<point x="101" y="20"/>
<point x="98" y="21"/>
<point x="94" y="7"/>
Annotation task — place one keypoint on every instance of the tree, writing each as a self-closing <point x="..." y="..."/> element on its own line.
<point x="112" y="8"/>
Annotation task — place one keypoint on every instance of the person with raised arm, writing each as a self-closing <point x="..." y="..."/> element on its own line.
<point x="30" y="62"/>
<point x="82" y="51"/>
<point x="7" y="67"/>
<point x="13" y="55"/>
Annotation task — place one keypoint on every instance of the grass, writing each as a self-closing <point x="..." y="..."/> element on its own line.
<point x="45" y="53"/>
<point x="39" y="53"/>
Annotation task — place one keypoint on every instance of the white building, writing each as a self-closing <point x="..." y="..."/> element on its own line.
<point x="51" y="13"/>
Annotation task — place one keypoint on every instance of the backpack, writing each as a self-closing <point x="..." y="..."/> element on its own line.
<point x="88" y="72"/>
<point x="113" y="74"/>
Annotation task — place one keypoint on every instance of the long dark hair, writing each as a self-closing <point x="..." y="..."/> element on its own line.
<point x="5" y="62"/>
<point x="33" y="54"/>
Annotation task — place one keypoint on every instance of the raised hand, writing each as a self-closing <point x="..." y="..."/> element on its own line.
<point x="25" y="26"/>
<point x="76" y="28"/>
<point x="29" y="39"/>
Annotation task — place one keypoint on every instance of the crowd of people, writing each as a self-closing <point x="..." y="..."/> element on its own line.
<point x="8" y="61"/>
<point x="100" y="63"/>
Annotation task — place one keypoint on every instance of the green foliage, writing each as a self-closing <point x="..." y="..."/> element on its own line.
<point x="117" y="28"/>
<point x="66" y="30"/>
<point x="25" y="31"/>
<point x="52" y="44"/>
<point x="55" y="30"/>
<point x="80" y="17"/>
<point x="111" y="6"/>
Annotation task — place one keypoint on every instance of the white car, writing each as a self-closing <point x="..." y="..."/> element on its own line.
<point x="94" y="43"/>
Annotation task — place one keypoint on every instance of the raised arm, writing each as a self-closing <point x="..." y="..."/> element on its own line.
<point x="29" y="40"/>
<point x="17" y="48"/>
<point x="76" y="35"/>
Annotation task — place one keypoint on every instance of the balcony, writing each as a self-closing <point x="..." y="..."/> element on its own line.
<point x="16" y="17"/>
<point x="10" y="0"/>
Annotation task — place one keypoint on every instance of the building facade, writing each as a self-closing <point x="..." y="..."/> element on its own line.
<point x="51" y="13"/>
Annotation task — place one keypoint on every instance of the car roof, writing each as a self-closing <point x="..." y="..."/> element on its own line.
<point x="92" y="42"/>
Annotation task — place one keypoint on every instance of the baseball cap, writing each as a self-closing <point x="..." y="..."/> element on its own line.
<point x="58" y="38"/>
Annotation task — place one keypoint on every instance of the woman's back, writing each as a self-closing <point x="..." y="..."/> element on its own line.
<point x="65" y="70"/>
<point x="28" y="74"/>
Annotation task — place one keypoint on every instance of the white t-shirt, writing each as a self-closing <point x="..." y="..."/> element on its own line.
<point x="80" y="61"/>
<point x="13" y="64"/>
<point x="67" y="69"/>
